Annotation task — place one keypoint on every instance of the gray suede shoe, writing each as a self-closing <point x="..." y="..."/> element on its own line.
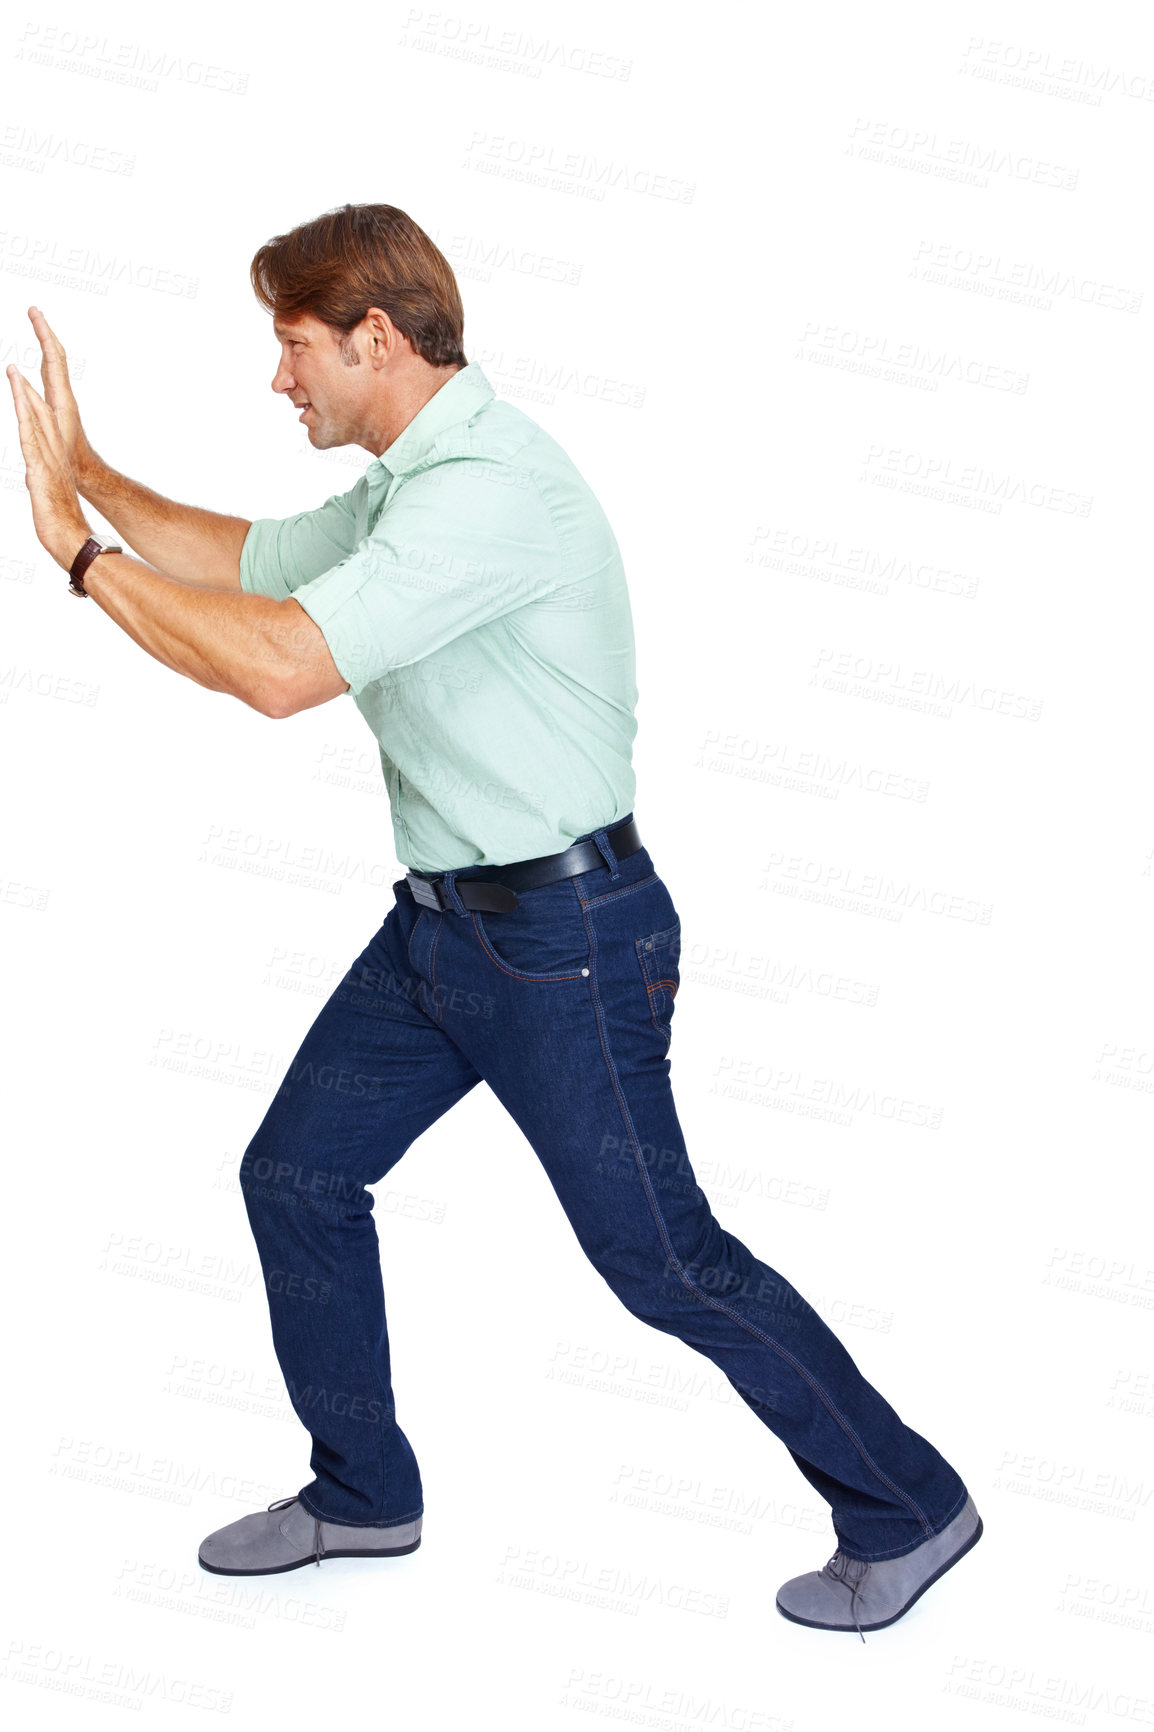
<point x="833" y="1597"/>
<point x="285" y="1536"/>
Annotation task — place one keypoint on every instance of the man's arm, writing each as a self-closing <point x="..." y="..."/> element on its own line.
<point x="270" y="654"/>
<point x="195" y="546"/>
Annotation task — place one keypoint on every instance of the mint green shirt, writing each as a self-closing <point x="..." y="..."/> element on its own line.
<point x="471" y="591"/>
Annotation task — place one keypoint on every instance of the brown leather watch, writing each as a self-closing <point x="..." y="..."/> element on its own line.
<point x="84" y="559"/>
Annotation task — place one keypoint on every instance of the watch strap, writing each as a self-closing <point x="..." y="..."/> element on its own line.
<point x="84" y="559"/>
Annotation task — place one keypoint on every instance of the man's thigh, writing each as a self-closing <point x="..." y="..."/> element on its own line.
<point x="578" y="1053"/>
<point x="374" y="1070"/>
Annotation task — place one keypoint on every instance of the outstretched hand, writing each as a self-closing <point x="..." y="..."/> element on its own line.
<point x="58" y="393"/>
<point x="61" y="526"/>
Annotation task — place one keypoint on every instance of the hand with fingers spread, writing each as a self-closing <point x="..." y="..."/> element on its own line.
<point x="59" y="519"/>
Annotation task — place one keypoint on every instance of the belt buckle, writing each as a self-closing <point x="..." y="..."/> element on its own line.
<point x="425" y="892"/>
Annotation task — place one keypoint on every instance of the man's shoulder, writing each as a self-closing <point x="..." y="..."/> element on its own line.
<point x="514" y="447"/>
<point x="498" y="430"/>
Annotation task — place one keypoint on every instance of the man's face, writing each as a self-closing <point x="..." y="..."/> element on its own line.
<point x="330" y="392"/>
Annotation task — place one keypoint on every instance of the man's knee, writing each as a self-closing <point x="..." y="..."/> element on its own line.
<point x="277" y="1177"/>
<point x="648" y="1287"/>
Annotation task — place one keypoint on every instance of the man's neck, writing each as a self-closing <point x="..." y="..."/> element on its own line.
<point x="409" y="397"/>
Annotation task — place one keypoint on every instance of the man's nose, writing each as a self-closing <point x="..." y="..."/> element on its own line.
<point x="282" y="379"/>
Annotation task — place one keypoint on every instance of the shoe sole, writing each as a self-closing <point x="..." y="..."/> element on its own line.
<point x="883" y="1623"/>
<point x="279" y="1569"/>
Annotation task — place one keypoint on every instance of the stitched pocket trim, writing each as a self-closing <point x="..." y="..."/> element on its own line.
<point x="521" y="973"/>
<point x="658" y="955"/>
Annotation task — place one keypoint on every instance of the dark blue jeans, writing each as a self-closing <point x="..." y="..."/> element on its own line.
<point x="564" y="1007"/>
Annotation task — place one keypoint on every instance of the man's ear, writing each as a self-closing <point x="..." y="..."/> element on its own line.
<point x="384" y="338"/>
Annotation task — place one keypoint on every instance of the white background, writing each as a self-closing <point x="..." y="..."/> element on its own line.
<point x="844" y="313"/>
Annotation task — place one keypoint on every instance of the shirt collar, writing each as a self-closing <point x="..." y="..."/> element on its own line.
<point x="455" y="401"/>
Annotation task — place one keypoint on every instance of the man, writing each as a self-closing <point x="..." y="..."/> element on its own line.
<point x="468" y="593"/>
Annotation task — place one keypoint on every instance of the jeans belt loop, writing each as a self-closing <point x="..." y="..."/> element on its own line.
<point x="451" y="894"/>
<point x="602" y="840"/>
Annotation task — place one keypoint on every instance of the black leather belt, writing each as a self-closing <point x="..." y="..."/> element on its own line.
<point x="498" y="894"/>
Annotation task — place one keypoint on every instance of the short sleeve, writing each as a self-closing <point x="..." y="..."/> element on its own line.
<point x="460" y="545"/>
<point x="281" y="553"/>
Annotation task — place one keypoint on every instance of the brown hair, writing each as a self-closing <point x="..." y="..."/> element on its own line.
<point x="360" y="256"/>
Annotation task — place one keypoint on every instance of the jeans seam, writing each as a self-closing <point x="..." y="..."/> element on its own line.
<point x="698" y="1292"/>
<point x="881" y="1557"/>
<point x="419" y="1003"/>
<point x="666" y="1033"/>
<point x="412" y="935"/>
<point x="433" y="968"/>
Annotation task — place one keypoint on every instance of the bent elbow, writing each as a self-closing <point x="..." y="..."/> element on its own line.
<point x="271" y="699"/>
<point x="294" y="691"/>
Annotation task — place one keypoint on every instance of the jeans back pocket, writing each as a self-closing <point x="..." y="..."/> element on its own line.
<point x="659" y="954"/>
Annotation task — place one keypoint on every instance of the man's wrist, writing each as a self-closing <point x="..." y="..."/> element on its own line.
<point x="86" y="470"/>
<point x="67" y="542"/>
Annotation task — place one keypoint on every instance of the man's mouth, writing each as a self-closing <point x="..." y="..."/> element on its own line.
<point x="304" y="409"/>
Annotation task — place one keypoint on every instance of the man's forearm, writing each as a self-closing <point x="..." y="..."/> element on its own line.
<point x="196" y="546"/>
<point x="247" y="645"/>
